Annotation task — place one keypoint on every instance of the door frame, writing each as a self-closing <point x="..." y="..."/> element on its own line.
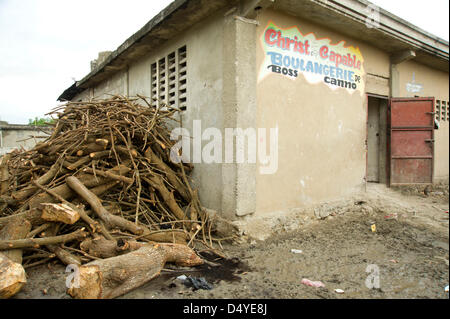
<point x="390" y="129"/>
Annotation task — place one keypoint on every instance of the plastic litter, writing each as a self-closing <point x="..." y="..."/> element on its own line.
<point x="339" y="291"/>
<point x="296" y="251"/>
<point x="317" y="284"/>
<point x="197" y="283"/>
<point x="446" y="288"/>
<point x="182" y="277"/>
<point x="374" y="228"/>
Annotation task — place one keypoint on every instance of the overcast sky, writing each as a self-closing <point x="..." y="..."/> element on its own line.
<point x="47" y="44"/>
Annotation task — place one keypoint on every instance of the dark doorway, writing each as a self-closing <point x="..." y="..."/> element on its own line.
<point x="377" y="139"/>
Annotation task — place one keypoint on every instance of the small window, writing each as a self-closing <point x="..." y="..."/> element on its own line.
<point x="448" y="115"/>
<point x="169" y="79"/>
<point x="438" y="110"/>
<point x="443" y="110"/>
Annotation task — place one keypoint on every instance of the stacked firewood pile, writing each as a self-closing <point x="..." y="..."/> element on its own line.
<point x="102" y="193"/>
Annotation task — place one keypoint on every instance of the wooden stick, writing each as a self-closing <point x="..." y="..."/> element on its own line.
<point x="110" y="220"/>
<point x="169" y="199"/>
<point x="36" y="242"/>
<point x="110" y="175"/>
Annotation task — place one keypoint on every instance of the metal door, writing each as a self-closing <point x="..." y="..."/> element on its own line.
<point x="412" y="141"/>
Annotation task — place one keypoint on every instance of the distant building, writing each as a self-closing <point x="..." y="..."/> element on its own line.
<point x="327" y="74"/>
<point x="17" y="136"/>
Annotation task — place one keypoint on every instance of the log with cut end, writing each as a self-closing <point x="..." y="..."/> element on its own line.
<point x="113" y="277"/>
<point x="105" y="248"/>
<point x="12" y="277"/>
<point x="17" y="228"/>
<point x="89" y="148"/>
<point x="59" y="213"/>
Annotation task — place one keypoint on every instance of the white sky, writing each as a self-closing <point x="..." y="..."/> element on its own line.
<point x="46" y="44"/>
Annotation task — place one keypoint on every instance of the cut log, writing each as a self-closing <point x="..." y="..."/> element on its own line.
<point x="104" y="248"/>
<point x="176" y="237"/>
<point x="78" y="163"/>
<point x="89" y="148"/>
<point x="12" y="277"/>
<point x="17" y="228"/>
<point x="113" y="277"/>
<point x="59" y="213"/>
<point x="123" y="150"/>
<point x="33" y="216"/>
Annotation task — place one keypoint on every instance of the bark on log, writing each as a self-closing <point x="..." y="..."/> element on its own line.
<point x="176" y="237"/>
<point x="33" y="216"/>
<point x="59" y="213"/>
<point x="12" y="277"/>
<point x="17" y="228"/>
<point x="113" y="277"/>
<point x="110" y="220"/>
<point x="104" y="248"/>
<point x="90" y="148"/>
<point x="78" y="163"/>
<point x="109" y="175"/>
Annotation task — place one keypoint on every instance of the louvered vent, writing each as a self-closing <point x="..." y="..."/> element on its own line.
<point x="169" y="79"/>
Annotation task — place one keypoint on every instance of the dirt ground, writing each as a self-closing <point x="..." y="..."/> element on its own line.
<point x="410" y="249"/>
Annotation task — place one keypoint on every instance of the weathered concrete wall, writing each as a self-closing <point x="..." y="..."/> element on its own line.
<point x="322" y="133"/>
<point x="204" y="42"/>
<point x="17" y="136"/>
<point x="435" y="84"/>
<point x="117" y="84"/>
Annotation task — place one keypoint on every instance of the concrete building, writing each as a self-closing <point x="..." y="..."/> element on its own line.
<point x="17" y="136"/>
<point x="328" y="75"/>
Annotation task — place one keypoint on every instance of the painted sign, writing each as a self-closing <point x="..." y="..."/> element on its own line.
<point x="413" y="87"/>
<point x="289" y="53"/>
